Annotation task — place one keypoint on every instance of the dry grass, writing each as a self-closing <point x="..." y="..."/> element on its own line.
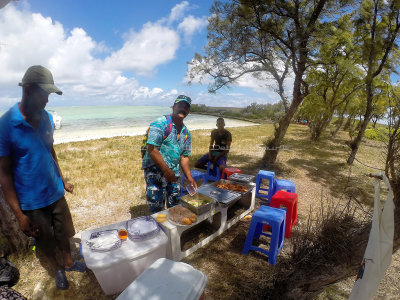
<point x="109" y="187"/>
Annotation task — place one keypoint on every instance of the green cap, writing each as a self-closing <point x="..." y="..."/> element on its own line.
<point x="42" y="77"/>
<point x="183" y="98"/>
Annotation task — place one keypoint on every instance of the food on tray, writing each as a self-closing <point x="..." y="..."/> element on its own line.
<point x="232" y="187"/>
<point x="161" y="218"/>
<point x="182" y="215"/>
<point x="197" y="203"/>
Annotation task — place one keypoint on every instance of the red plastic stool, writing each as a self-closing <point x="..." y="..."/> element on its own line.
<point x="229" y="171"/>
<point x="289" y="201"/>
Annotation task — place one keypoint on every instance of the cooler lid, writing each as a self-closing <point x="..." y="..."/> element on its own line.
<point x="142" y="227"/>
<point x="166" y="280"/>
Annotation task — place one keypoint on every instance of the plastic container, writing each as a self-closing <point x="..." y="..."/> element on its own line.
<point x="200" y="198"/>
<point x="142" y="227"/>
<point x="167" y="280"/>
<point x="191" y="189"/>
<point x="117" y="268"/>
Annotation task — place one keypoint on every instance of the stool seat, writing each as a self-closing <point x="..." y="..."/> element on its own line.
<point x="196" y="175"/>
<point x="212" y="174"/>
<point x="289" y="201"/>
<point x="283" y="184"/>
<point x="229" y="171"/>
<point x="265" y="175"/>
<point x="273" y="217"/>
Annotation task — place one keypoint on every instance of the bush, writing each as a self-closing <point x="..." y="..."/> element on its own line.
<point x="377" y="134"/>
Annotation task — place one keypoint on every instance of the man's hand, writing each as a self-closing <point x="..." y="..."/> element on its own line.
<point x="193" y="182"/>
<point x="27" y="227"/>
<point x="69" y="187"/>
<point x="170" y="175"/>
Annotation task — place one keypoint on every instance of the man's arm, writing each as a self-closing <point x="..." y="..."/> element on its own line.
<point x="7" y="185"/>
<point x="67" y="186"/>
<point x="159" y="161"/>
<point x="211" y="147"/>
<point x="185" y="164"/>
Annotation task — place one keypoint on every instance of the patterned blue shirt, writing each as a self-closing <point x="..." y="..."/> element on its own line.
<point x="172" y="148"/>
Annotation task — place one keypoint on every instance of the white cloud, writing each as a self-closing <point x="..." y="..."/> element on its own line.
<point x="191" y="25"/>
<point x="28" y="38"/>
<point x="145" y="50"/>
<point x="178" y="11"/>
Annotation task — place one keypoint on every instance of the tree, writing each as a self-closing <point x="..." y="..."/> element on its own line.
<point x="264" y="38"/>
<point x="377" y="31"/>
<point x="334" y="77"/>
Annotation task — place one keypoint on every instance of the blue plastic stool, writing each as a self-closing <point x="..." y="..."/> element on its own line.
<point x="211" y="174"/>
<point x="282" y="184"/>
<point x="274" y="217"/>
<point x="197" y="175"/>
<point x="270" y="176"/>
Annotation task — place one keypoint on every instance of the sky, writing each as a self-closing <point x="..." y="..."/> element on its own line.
<point x="125" y="52"/>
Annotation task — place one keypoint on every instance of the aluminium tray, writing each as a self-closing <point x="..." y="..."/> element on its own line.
<point x="242" y="177"/>
<point x="198" y="210"/>
<point x="219" y="195"/>
<point x="248" y="186"/>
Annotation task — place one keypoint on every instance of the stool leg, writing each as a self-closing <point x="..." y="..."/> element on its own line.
<point x="250" y="236"/>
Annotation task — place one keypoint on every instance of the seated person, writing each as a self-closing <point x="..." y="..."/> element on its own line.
<point x="220" y="143"/>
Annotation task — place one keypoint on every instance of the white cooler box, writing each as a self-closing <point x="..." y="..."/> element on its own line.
<point x="116" y="268"/>
<point x="167" y="280"/>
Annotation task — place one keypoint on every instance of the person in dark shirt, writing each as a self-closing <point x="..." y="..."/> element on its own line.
<point x="220" y="144"/>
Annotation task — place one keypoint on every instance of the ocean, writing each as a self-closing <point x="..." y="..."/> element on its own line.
<point x="81" y="123"/>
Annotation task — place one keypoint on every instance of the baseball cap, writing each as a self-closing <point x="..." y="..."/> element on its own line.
<point x="42" y="77"/>
<point x="183" y="98"/>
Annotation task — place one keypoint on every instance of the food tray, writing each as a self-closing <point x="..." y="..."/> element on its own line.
<point x="198" y="210"/>
<point x="142" y="227"/>
<point x="179" y="224"/>
<point x="248" y="186"/>
<point x="219" y="195"/>
<point x="104" y="240"/>
<point x="242" y="177"/>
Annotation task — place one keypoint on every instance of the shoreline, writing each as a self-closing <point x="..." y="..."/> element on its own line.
<point x="90" y="134"/>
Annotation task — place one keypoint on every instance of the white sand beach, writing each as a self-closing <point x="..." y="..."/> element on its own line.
<point x="206" y="122"/>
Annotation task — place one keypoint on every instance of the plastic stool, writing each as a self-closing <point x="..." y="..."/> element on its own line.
<point x="269" y="175"/>
<point x="197" y="175"/>
<point x="229" y="171"/>
<point x="273" y="217"/>
<point x="211" y="175"/>
<point x="289" y="201"/>
<point x="282" y="184"/>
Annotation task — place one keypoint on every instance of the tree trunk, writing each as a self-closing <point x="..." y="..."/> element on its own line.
<point x="338" y="125"/>
<point x="320" y="127"/>
<point x="354" y="145"/>
<point x="11" y="237"/>
<point x="272" y="149"/>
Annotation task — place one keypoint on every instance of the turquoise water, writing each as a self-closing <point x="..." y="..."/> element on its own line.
<point x="81" y="123"/>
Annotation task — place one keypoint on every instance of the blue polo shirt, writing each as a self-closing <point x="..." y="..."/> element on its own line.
<point x="171" y="148"/>
<point x="37" y="179"/>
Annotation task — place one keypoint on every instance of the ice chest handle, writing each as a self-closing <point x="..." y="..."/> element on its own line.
<point x="168" y="280"/>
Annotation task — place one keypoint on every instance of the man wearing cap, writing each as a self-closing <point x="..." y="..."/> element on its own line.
<point x="168" y="149"/>
<point x="30" y="176"/>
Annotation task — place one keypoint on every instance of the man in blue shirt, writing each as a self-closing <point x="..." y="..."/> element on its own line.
<point x="167" y="151"/>
<point x="30" y="176"/>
